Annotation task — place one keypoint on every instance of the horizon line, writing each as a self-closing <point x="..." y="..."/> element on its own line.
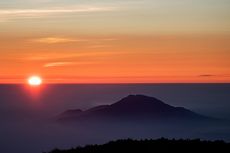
<point x="119" y="83"/>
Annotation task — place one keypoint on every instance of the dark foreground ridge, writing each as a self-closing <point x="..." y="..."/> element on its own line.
<point x="152" y="146"/>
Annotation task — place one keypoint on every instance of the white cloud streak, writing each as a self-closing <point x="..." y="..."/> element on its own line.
<point x="38" y="13"/>
<point x="56" y="64"/>
<point x="59" y="64"/>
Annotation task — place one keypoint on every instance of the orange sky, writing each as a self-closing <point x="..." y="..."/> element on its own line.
<point x="113" y="59"/>
<point x="115" y="42"/>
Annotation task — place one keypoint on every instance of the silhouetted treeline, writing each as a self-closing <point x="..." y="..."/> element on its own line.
<point x="153" y="146"/>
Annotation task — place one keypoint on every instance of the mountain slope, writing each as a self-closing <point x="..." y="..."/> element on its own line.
<point x="133" y="107"/>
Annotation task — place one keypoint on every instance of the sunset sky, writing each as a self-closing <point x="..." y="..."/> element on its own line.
<point x="115" y="41"/>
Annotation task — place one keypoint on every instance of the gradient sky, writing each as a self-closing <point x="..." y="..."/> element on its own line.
<point x="115" y="41"/>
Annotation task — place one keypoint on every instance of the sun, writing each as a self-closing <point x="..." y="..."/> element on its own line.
<point x="34" y="80"/>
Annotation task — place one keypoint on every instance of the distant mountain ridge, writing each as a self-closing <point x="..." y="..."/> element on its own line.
<point x="132" y="107"/>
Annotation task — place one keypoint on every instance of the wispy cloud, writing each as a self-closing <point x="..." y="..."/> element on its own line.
<point x="212" y="75"/>
<point x="56" y="56"/>
<point x="59" y="64"/>
<point x="207" y="75"/>
<point x="55" y="40"/>
<point x="56" y="64"/>
<point x="59" y="39"/>
<point x="37" y="13"/>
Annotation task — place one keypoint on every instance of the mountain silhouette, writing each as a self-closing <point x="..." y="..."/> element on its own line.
<point x="133" y="108"/>
<point x="150" y="146"/>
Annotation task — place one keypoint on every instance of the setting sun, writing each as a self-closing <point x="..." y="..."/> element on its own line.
<point x="35" y="81"/>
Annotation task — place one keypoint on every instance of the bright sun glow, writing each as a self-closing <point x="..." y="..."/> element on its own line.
<point x="35" y="81"/>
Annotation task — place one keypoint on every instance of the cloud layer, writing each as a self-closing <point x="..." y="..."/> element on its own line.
<point x="38" y="13"/>
<point x="55" y="40"/>
<point x="60" y="64"/>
